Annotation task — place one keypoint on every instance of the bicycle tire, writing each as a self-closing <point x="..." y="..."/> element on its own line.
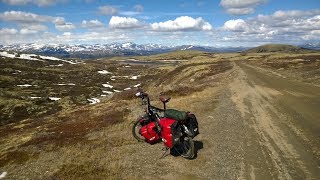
<point x="184" y="148"/>
<point x="135" y="131"/>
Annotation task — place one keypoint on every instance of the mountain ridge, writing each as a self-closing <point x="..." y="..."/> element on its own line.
<point x="91" y="51"/>
<point x="84" y="51"/>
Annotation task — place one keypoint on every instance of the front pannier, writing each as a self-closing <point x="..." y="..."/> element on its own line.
<point x="149" y="132"/>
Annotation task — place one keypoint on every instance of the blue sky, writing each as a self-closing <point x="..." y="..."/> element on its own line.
<point x="168" y="22"/>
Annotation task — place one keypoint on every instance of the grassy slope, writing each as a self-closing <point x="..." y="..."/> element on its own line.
<point x="277" y="48"/>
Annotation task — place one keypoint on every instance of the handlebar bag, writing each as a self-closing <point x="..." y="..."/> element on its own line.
<point x="149" y="132"/>
<point x="175" y="114"/>
<point x="170" y="132"/>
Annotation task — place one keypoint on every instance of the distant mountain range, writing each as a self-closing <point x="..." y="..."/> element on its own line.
<point x="85" y="51"/>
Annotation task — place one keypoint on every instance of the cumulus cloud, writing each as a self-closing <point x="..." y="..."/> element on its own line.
<point x="235" y="25"/>
<point x="61" y="25"/>
<point x="24" y="2"/>
<point x="108" y="10"/>
<point x="117" y="22"/>
<point x="92" y="24"/>
<point x="240" y="7"/>
<point x="280" y="26"/>
<point x="182" y="23"/>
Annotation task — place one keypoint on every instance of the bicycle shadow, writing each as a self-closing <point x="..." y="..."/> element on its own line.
<point x="197" y="146"/>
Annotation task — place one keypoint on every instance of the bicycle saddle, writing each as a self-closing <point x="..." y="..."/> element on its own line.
<point x="164" y="99"/>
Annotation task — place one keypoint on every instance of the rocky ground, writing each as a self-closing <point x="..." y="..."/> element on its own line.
<point x="256" y="121"/>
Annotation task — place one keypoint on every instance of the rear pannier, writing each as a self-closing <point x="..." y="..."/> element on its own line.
<point x="170" y="131"/>
<point x="192" y="125"/>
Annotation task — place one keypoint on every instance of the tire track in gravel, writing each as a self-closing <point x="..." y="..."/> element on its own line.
<point x="273" y="131"/>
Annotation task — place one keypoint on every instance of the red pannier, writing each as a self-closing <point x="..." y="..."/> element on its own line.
<point x="170" y="131"/>
<point x="149" y="133"/>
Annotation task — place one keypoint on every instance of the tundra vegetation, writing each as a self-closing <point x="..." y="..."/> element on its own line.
<point x="69" y="138"/>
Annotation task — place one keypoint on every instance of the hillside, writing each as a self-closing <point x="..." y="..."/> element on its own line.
<point x="277" y="48"/>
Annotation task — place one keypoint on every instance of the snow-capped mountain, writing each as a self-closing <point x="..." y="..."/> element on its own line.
<point x="103" y="50"/>
<point x="314" y="46"/>
<point x="87" y="51"/>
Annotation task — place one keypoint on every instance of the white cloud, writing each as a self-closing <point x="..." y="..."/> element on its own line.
<point x="235" y="25"/>
<point x="108" y="10"/>
<point x="65" y="27"/>
<point x="281" y="26"/>
<point x="240" y="3"/>
<point x="117" y="22"/>
<point x="182" y="23"/>
<point x="36" y="2"/>
<point x="240" y="7"/>
<point x="92" y="24"/>
<point x="23" y="17"/>
<point x="240" y="11"/>
<point x="7" y="31"/>
<point x="61" y="25"/>
<point x="36" y="27"/>
<point x="25" y="31"/>
<point x="67" y="34"/>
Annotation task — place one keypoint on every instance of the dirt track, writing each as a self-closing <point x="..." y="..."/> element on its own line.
<point x="264" y="126"/>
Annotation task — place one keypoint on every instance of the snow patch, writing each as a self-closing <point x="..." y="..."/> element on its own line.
<point x="116" y="91"/>
<point x="104" y="72"/>
<point x="68" y="84"/>
<point x="137" y="85"/>
<point x="103" y="95"/>
<point x="93" y="100"/>
<point x="6" y="54"/>
<point x="134" y="77"/>
<point x="114" y="77"/>
<point x="126" y="89"/>
<point x="107" y="85"/>
<point x="35" y="97"/>
<point x="3" y="175"/>
<point x="59" y="65"/>
<point x="34" y="57"/>
<point x="107" y="92"/>
<point x="54" y="98"/>
<point x="57" y="59"/>
<point x="24" y="85"/>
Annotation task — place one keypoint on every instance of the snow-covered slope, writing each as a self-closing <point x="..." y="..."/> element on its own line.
<point x="33" y="57"/>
